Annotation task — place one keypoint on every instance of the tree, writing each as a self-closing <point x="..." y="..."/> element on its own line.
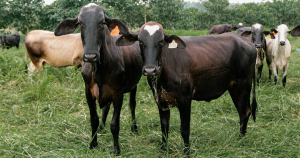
<point x="4" y="20"/>
<point x="283" y="10"/>
<point x="217" y="8"/>
<point x="25" y="14"/>
<point x="60" y="10"/>
<point x="167" y="12"/>
<point x="134" y="13"/>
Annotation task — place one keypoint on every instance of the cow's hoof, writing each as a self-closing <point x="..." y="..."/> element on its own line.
<point x="101" y="130"/>
<point x="134" y="129"/>
<point x="164" y="147"/>
<point x="93" y="145"/>
<point x="117" y="151"/>
<point x="187" y="152"/>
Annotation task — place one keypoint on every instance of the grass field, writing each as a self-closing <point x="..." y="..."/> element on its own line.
<point x="46" y="115"/>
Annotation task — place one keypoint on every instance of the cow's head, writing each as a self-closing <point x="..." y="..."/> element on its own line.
<point x="151" y="39"/>
<point x="240" y="25"/>
<point x="257" y="31"/>
<point x="95" y="27"/>
<point x="281" y="33"/>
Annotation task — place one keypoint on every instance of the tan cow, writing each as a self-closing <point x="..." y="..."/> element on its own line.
<point x="43" y="47"/>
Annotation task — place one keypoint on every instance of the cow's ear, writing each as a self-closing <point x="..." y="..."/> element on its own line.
<point x="234" y="28"/>
<point x="112" y="23"/>
<point x="246" y="33"/>
<point x="127" y="39"/>
<point x="66" y="27"/>
<point x="296" y="31"/>
<point x="170" y="39"/>
<point x="270" y="33"/>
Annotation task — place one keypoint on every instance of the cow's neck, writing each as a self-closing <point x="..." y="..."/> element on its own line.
<point x="110" y="53"/>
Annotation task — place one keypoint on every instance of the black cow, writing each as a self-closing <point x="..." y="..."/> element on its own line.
<point x="195" y="68"/>
<point x="108" y="71"/>
<point x="9" y="41"/>
<point x="255" y="34"/>
<point x="222" y="28"/>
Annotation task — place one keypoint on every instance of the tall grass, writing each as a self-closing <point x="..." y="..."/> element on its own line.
<point x="45" y="114"/>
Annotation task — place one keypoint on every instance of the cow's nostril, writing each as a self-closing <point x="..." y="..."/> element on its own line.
<point x="282" y="43"/>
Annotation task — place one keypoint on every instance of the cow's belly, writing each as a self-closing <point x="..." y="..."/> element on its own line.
<point x="57" y="60"/>
<point x="212" y="84"/>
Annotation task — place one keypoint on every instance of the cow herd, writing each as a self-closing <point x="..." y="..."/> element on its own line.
<point x="179" y="69"/>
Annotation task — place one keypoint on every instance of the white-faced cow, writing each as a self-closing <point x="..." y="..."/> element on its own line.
<point x="108" y="71"/>
<point x="43" y="47"/>
<point x="278" y="52"/>
<point x="255" y="34"/>
<point x="222" y="28"/>
<point x="195" y="68"/>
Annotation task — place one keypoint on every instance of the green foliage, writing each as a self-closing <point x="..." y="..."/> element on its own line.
<point x="217" y="8"/>
<point x="4" y="10"/>
<point x="25" y="14"/>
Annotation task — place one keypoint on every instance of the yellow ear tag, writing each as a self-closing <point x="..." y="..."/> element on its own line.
<point x="268" y="36"/>
<point x="173" y="44"/>
<point x="115" y="31"/>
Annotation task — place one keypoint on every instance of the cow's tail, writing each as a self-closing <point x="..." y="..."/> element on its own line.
<point x="254" y="103"/>
<point x="26" y="68"/>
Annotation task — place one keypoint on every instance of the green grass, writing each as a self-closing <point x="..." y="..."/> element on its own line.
<point x="46" y="115"/>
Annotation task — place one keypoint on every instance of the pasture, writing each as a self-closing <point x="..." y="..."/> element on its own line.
<point x="46" y="115"/>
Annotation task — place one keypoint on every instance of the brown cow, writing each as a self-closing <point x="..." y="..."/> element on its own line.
<point x="222" y="28"/>
<point x="108" y="71"/>
<point x="43" y="47"/>
<point x="202" y="69"/>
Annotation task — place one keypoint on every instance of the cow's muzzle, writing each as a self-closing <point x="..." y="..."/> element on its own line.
<point x="150" y="71"/>
<point x="258" y="45"/>
<point x="91" y="58"/>
<point x="282" y="43"/>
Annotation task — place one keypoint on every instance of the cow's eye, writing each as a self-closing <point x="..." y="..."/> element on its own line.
<point x="161" y="43"/>
<point x="141" y="43"/>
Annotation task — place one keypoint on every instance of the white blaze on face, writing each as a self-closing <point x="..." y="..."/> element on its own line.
<point x="151" y="29"/>
<point x="240" y="24"/>
<point x="257" y="26"/>
<point x="91" y="4"/>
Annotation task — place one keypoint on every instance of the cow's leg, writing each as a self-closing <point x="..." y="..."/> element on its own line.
<point x="115" y="123"/>
<point x="259" y="70"/>
<point x="93" y="116"/>
<point x="241" y="98"/>
<point x="164" y="123"/>
<point x="105" y="111"/>
<point x="132" y="104"/>
<point x="275" y="72"/>
<point x="270" y="69"/>
<point x="285" y="69"/>
<point x="185" y="117"/>
<point x="87" y="76"/>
